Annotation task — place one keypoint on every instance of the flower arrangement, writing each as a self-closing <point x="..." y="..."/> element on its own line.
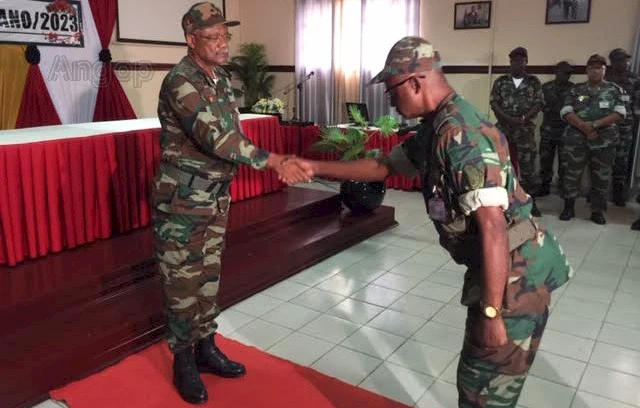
<point x="350" y="143"/>
<point x="271" y="105"/>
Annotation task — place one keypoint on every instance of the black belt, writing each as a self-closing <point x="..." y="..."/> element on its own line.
<point x="522" y="232"/>
<point x="194" y="181"/>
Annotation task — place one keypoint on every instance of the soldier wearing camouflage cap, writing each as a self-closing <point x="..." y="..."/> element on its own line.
<point x="483" y="217"/>
<point x="516" y="98"/>
<point x="620" y="74"/>
<point x="592" y="109"/>
<point x="202" y="147"/>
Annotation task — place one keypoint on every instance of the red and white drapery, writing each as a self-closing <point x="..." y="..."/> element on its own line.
<point x="74" y="85"/>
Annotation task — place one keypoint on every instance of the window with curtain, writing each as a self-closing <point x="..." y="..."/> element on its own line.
<point x="345" y="43"/>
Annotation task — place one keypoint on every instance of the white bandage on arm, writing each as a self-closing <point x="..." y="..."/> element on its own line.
<point x="565" y="110"/>
<point x="621" y="110"/>
<point x="484" y="197"/>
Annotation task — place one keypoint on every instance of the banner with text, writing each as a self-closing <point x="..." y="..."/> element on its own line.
<point x="41" y="22"/>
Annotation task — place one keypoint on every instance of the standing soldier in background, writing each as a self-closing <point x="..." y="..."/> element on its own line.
<point x="551" y="132"/>
<point x="629" y="82"/>
<point x="591" y="109"/>
<point x="202" y="147"/>
<point x="516" y="99"/>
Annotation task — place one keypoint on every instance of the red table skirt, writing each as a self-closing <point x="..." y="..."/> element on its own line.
<point x="311" y="134"/>
<point x="59" y="194"/>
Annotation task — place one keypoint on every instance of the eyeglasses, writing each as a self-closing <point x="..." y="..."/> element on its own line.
<point x="399" y="84"/>
<point x="217" y="38"/>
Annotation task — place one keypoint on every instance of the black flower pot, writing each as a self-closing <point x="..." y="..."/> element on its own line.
<point x="362" y="197"/>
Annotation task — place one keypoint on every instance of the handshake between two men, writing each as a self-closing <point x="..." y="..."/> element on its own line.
<point x="293" y="170"/>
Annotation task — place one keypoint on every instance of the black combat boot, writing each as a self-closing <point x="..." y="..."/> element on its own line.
<point x="569" y="209"/>
<point x="598" y="217"/>
<point x="535" y="212"/>
<point x="618" y="195"/>
<point x="544" y="190"/>
<point x="186" y="378"/>
<point x="636" y="225"/>
<point x="211" y="360"/>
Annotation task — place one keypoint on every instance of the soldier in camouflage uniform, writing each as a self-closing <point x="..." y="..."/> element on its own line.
<point x="630" y="83"/>
<point x="591" y="109"/>
<point x="551" y="132"/>
<point x="202" y="146"/>
<point x="516" y="99"/>
<point x="483" y="217"/>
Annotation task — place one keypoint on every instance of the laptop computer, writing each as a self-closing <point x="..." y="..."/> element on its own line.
<point x="362" y="107"/>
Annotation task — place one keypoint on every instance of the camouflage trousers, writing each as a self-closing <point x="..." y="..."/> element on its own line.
<point x="523" y="139"/>
<point x="189" y="228"/>
<point x="599" y="154"/>
<point x="494" y="377"/>
<point x="551" y="142"/>
<point x="623" y="160"/>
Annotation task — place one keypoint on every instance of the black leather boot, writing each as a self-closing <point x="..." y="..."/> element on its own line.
<point x="598" y="217"/>
<point x="544" y="190"/>
<point x="211" y="359"/>
<point x="186" y="378"/>
<point x="535" y="212"/>
<point x="618" y="195"/>
<point x="569" y="209"/>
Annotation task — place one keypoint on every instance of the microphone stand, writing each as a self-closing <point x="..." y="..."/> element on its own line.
<point x="295" y="119"/>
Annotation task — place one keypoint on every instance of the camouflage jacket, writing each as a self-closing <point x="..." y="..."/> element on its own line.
<point x="554" y="97"/>
<point x="630" y="83"/>
<point x="593" y="103"/>
<point x="201" y="131"/>
<point x="464" y="163"/>
<point x="517" y="101"/>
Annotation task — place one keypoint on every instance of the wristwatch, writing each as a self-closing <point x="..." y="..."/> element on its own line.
<point x="490" y="311"/>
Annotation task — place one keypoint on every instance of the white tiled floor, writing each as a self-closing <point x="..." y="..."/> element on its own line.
<point x="385" y="315"/>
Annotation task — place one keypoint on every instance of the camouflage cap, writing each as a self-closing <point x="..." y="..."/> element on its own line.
<point x="519" y="52"/>
<point x="204" y="15"/>
<point x="618" y="54"/>
<point x="407" y="56"/>
<point x="596" y="59"/>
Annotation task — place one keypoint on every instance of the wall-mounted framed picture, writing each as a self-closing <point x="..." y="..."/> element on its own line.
<point x="473" y="14"/>
<point x="568" y="11"/>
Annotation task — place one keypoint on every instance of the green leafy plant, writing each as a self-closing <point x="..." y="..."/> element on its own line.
<point x="251" y="68"/>
<point x="350" y="142"/>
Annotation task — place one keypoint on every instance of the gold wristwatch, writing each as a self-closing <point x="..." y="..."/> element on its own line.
<point x="490" y="311"/>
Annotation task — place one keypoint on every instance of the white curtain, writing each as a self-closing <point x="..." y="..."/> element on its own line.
<point x="376" y="43"/>
<point x="72" y="74"/>
<point x="344" y="43"/>
<point x="314" y="53"/>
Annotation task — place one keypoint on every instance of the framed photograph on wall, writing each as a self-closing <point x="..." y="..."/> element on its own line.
<point x="473" y="14"/>
<point x="568" y="11"/>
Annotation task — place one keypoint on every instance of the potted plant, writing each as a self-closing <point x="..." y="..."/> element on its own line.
<point x="251" y="68"/>
<point x="350" y="144"/>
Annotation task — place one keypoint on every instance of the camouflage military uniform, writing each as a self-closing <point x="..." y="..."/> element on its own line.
<point x="202" y="145"/>
<point x="464" y="162"/>
<point x="591" y="104"/>
<point x="552" y="129"/>
<point x="630" y="84"/>
<point x="518" y="102"/>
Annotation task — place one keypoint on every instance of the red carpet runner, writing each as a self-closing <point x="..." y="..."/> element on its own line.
<point x="144" y="381"/>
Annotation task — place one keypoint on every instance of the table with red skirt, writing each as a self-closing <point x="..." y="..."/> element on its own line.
<point x="68" y="185"/>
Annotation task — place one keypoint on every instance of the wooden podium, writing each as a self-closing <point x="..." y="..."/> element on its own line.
<point x="68" y="315"/>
